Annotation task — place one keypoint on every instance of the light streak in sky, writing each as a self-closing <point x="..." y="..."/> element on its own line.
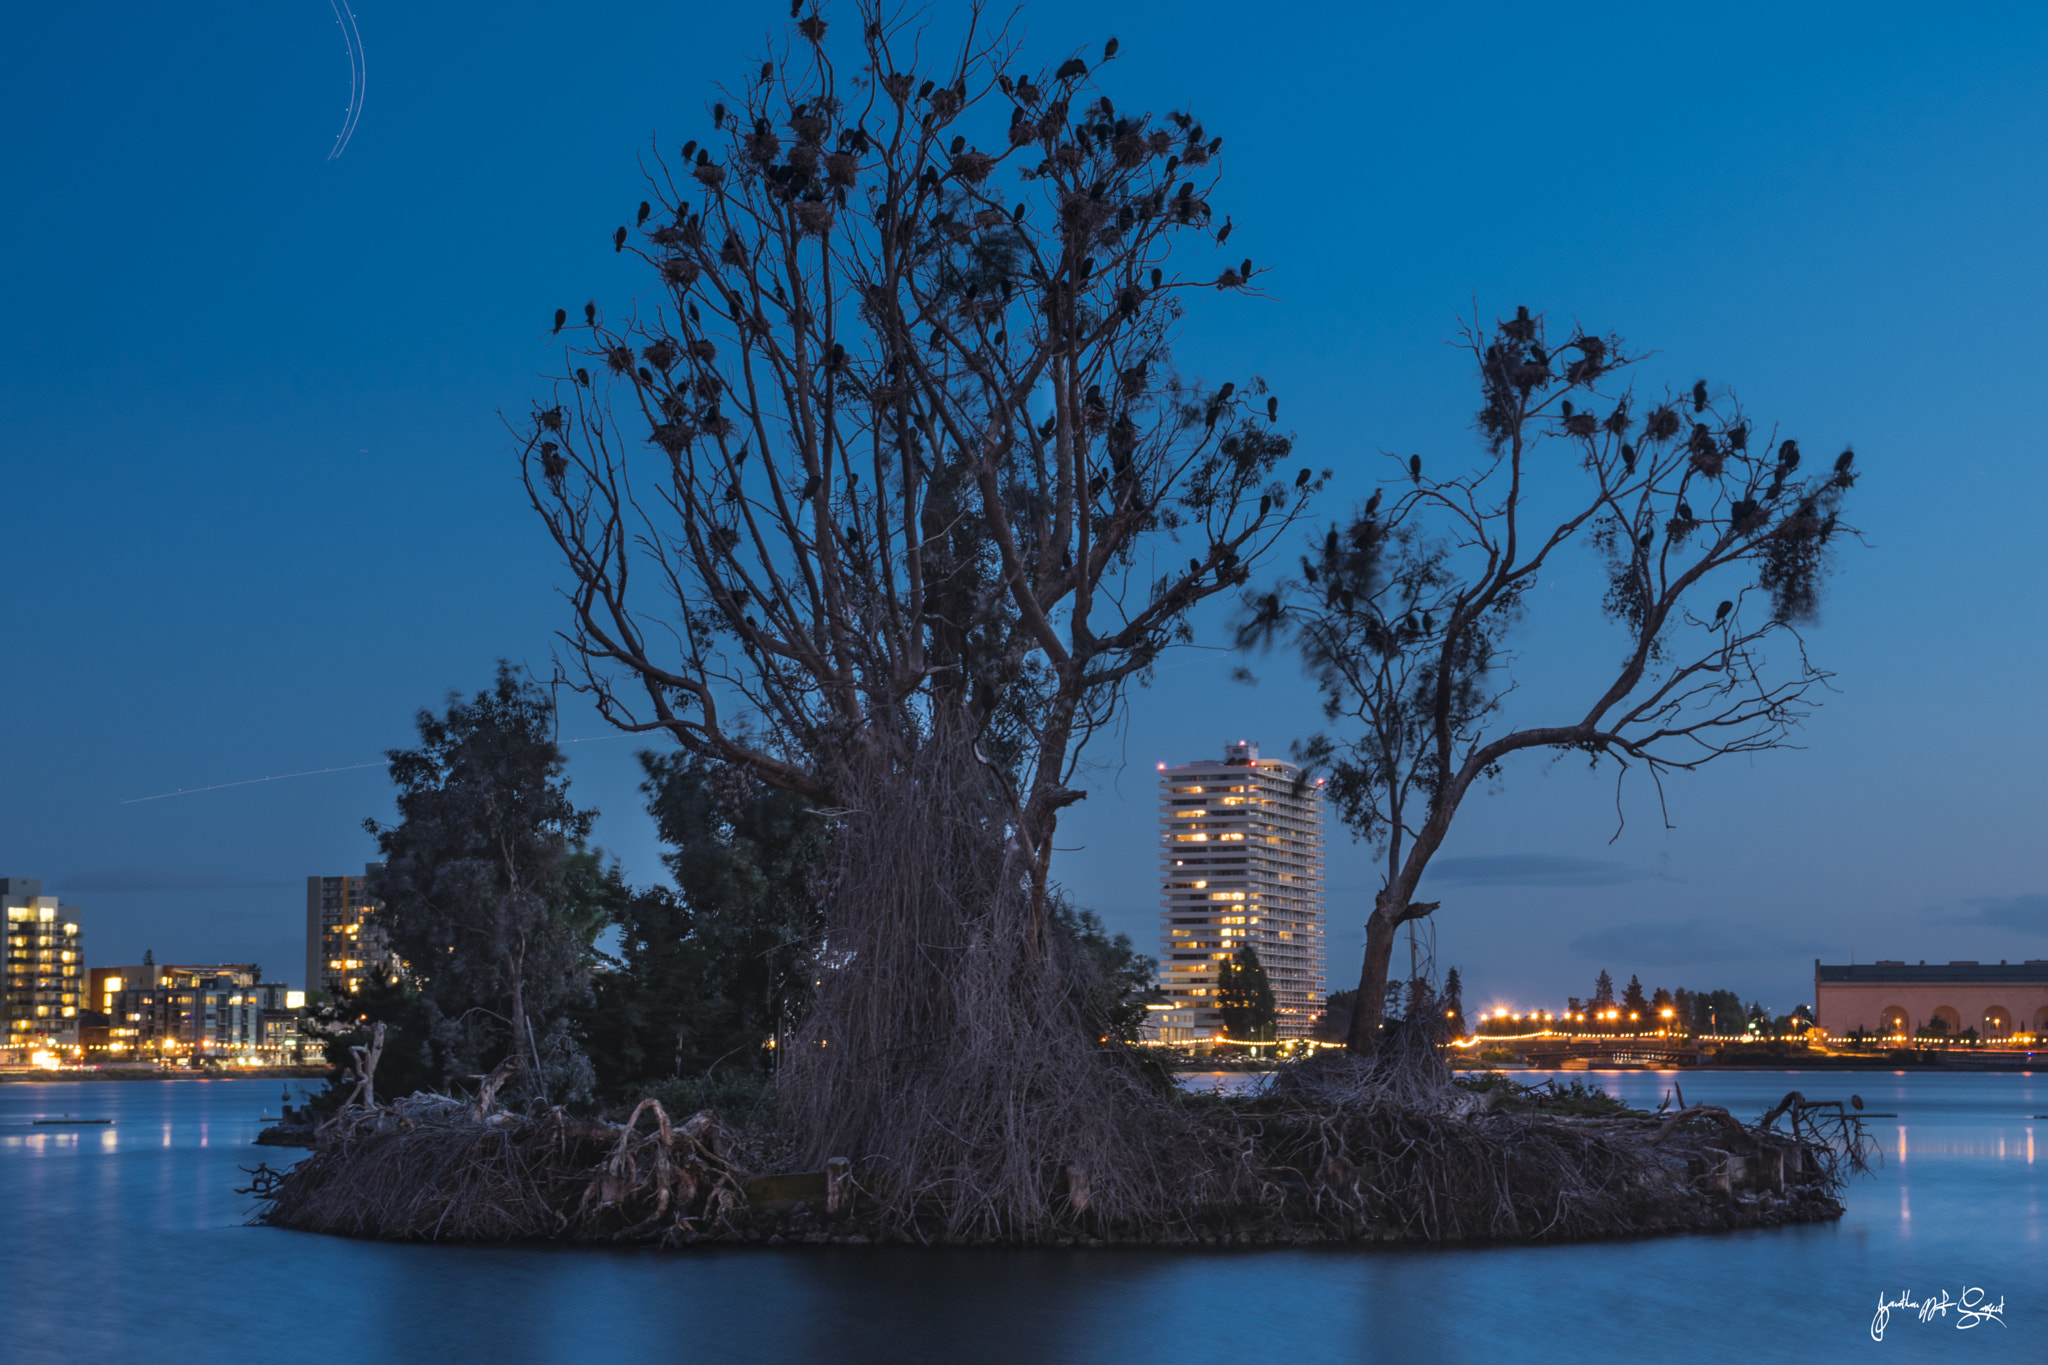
<point x="358" y="81"/>
<point x="248" y="781"/>
<point x="314" y="772"/>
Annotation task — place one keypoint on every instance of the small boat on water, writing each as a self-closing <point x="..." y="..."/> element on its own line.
<point x="65" y="1122"/>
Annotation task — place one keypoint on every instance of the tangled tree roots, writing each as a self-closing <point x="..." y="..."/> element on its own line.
<point x="431" y="1168"/>
<point x="1391" y="1146"/>
<point x="1327" y="1156"/>
<point x="951" y="1055"/>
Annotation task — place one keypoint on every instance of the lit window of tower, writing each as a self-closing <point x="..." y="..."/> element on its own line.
<point x="1241" y="861"/>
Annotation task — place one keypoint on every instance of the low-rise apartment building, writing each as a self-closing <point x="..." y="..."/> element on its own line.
<point x="173" y="1013"/>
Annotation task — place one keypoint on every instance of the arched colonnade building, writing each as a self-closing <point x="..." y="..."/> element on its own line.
<point x="1893" y="999"/>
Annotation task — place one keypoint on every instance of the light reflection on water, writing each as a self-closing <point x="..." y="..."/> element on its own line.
<point x="121" y="1240"/>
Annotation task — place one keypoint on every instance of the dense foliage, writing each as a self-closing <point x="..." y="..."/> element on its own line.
<point x="492" y="899"/>
<point x="711" y="977"/>
<point x="1245" y="997"/>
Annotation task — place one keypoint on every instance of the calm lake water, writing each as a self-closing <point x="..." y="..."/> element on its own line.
<point x="126" y="1243"/>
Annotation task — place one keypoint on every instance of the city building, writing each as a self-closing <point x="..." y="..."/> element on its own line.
<point x="344" y="945"/>
<point x="1897" y="999"/>
<point x="45" y="963"/>
<point x="1241" y="862"/>
<point x="172" y="1013"/>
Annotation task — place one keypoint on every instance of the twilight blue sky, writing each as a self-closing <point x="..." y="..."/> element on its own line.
<point x="260" y="506"/>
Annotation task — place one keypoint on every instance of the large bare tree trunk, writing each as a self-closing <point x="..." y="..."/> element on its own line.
<point x="1382" y="927"/>
<point x="948" y="1055"/>
<point x="1370" y="1007"/>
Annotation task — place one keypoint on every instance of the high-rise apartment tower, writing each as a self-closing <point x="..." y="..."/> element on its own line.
<point x="344" y="943"/>
<point x="45" y="961"/>
<point x="1240" y="861"/>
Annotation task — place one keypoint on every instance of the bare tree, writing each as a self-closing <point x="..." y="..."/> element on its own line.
<point x="880" y="498"/>
<point x="1402" y="615"/>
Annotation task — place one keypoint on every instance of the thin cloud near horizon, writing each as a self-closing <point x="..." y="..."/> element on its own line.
<point x="1534" y="869"/>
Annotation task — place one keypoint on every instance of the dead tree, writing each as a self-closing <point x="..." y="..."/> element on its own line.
<point x="888" y="496"/>
<point x="1402" y="616"/>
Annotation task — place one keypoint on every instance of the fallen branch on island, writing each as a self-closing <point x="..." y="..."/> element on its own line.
<point x="1336" y="1150"/>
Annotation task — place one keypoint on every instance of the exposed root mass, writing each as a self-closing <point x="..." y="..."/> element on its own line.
<point x="1336" y="1151"/>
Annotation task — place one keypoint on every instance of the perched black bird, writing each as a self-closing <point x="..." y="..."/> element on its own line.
<point x="1428" y="621"/>
<point x="1685" y="512"/>
<point x="1272" y="409"/>
<point x="561" y="316"/>
<point x="689" y="149"/>
<point x="1246" y="269"/>
<point x="1109" y="49"/>
<point x="1158" y="277"/>
<point x="1415" y="468"/>
<point x="590" y="313"/>
<point x="718" y="115"/>
<point x="1721" y="612"/>
<point x="619" y="240"/>
<point x="583" y="378"/>
<point x="1372" y="504"/>
<point x="1223" y="233"/>
<point x="1072" y="67"/>
<point x="645" y="209"/>
<point x="1844" y="460"/>
<point x="1856" y="1100"/>
<point x="1265" y="504"/>
<point x="1301" y="479"/>
<point x="767" y="72"/>
<point x="1699" y="396"/>
<point x="811" y="488"/>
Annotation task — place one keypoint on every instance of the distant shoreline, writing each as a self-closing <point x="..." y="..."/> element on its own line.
<point x="250" y="1073"/>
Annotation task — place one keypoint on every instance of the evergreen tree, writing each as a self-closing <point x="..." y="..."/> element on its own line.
<point x="1454" y="1001"/>
<point x="1118" y="979"/>
<point x="711" y="973"/>
<point x="1245" y="997"/>
<point x="1714" y="1011"/>
<point x="1603" y="992"/>
<point x="1333" y="1025"/>
<point x="1633" y="1001"/>
<point x="492" y="898"/>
